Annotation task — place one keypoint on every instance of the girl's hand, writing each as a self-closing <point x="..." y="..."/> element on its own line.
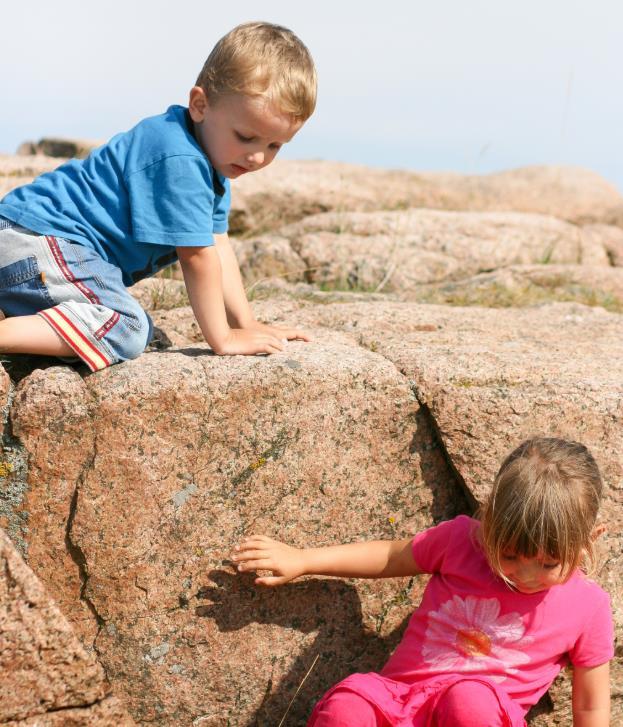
<point x="257" y="552"/>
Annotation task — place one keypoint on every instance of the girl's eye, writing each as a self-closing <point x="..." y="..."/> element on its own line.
<point x="244" y="139"/>
<point x="508" y="557"/>
<point x="550" y="566"/>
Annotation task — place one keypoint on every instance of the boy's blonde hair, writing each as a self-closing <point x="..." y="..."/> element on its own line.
<point x="262" y="59"/>
<point x="544" y="503"/>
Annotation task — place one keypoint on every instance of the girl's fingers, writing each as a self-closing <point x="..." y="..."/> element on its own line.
<point x="250" y="554"/>
<point x="250" y="539"/>
<point x="256" y="564"/>
<point x="270" y="581"/>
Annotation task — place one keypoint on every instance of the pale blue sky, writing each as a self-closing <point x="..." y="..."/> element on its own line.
<point x="444" y="85"/>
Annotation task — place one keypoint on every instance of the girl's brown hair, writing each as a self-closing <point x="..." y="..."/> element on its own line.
<point x="262" y="59"/>
<point x="544" y="503"/>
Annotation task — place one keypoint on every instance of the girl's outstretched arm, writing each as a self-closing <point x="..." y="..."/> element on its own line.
<point x="591" y="696"/>
<point x="374" y="559"/>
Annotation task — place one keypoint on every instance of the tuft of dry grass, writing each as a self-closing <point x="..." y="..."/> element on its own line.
<point x="496" y="295"/>
<point x="163" y="296"/>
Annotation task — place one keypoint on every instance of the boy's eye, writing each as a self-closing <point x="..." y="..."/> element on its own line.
<point x="244" y="139"/>
<point x="275" y="146"/>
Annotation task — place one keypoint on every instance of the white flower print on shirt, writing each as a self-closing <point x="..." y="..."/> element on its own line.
<point x="467" y="636"/>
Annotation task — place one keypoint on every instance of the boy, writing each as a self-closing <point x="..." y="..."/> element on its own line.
<point x="74" y="239"/>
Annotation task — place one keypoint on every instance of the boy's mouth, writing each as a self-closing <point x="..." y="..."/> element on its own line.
<point x="238" y="169"/>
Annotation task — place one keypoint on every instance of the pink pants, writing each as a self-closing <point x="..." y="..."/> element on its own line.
<point x="465" y="704"/>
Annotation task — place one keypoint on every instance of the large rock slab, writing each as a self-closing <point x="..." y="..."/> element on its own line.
<point x="398" y="414"/>
<point x="287" y="191"/>
<point x="399" y="251"/>
<point x="180" y="453"/>
<point x="47" y="676"/>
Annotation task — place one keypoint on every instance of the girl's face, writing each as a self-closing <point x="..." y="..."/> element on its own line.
<point x="531" y="575"/>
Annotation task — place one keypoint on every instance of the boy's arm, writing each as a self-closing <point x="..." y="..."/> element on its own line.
<point x="374" y="559"/>
<point x="237" y="306"/>
<point x="239" y="313"/>
<point x="591" y="696"/>
<point x="204" y="282"/>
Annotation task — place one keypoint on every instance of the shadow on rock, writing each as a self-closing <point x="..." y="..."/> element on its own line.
<point x="329" y="607"/>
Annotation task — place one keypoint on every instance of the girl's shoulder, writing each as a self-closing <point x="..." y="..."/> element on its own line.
<point x="446" y="546"/>
<point x="584" y="586"/>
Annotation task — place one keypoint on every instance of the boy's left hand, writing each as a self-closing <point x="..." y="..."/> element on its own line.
<point x="281" y="332"/>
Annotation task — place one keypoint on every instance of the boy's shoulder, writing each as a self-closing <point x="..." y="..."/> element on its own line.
<point x="157" y="138"/>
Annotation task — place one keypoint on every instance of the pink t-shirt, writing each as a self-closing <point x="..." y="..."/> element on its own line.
<point x="471" y="623"/>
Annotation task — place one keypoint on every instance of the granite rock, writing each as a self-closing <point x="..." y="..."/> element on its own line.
<point x="47" y="676"/>
<point x="287" y="191"/>
<point x="398" y="251"/>
<point x="176" y="456"/>
<point x="179" y="453"/>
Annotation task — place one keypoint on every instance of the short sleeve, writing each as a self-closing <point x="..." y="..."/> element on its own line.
<point x="172" y="202"/>
<point x="431" y="546"/>
<point x="595" y="644"/>
<point x="221" y="210"/>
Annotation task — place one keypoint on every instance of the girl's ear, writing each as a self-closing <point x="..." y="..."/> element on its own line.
<point x="598" y="531"/>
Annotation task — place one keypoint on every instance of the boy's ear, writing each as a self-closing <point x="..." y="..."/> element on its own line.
<point x="197" y="103"/>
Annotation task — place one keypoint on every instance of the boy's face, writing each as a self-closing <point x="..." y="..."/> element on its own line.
<point x="239" y="133"/>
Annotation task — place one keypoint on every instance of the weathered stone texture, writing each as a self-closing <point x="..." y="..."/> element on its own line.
<point x="184" y="453"/>
<point x="399" y="251"/>
<point x="46" y="672"/>
<point x="288" y="191"/>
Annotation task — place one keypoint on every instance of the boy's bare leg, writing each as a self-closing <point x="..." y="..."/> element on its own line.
<point x="31" y="334"/>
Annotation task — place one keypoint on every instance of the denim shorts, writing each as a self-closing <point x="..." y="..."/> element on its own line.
<point x="80" y="295"/>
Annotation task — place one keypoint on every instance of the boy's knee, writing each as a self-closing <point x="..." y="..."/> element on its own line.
<point x="137" y="334"/>
<point x="469" y="703"/>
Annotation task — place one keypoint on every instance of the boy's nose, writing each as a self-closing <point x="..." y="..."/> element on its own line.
<point x="256" y="159"/>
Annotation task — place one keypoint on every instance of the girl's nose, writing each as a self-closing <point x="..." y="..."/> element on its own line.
<point x="526" y="571"/>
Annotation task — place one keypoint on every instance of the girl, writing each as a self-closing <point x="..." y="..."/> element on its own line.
<point x="505" y="609"/>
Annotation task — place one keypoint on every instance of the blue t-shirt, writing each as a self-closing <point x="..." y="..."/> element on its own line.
<point x="133" y="200"/>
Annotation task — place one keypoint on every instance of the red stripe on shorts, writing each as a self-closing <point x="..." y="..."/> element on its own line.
<point x="60" y="261"/>
<point x="110" y="323"/>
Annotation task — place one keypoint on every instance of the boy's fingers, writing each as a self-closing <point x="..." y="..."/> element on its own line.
<point x="294" y="334"/>
<point x="299" y="335"/>
<point x="272" y="348"/>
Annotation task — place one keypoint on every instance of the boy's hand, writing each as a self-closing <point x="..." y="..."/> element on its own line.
<point x="281" y="332"/>
<point x="257" y="552"/>
<point x="248" y="341"/>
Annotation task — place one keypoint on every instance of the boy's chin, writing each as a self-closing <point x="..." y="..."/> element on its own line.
<point x="232" y="171"/>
